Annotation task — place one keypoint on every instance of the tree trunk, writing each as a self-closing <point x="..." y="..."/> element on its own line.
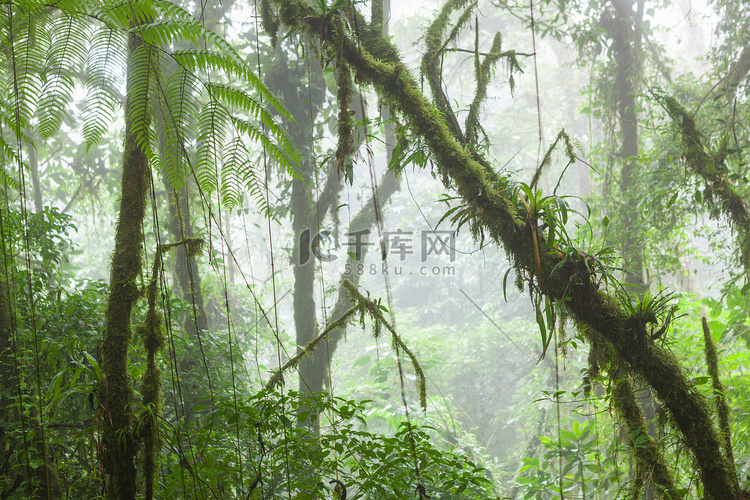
<point x="627" y="45"/>
<point x="34" y="170"/>
<point x="116" y="394"/>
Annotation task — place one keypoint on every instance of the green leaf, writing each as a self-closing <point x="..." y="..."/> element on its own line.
<point x="361" y="361"/>
<point x="505" y="283"/>
<point x="702" y="380"/>
<point x="672" y="199"/>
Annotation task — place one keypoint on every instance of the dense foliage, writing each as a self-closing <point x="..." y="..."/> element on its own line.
<point x="260" y="147"/>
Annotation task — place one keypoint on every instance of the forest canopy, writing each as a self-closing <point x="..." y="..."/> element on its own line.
<point x="307" y="249"/>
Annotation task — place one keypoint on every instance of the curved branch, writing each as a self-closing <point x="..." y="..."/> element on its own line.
<point x="278" y="375"/>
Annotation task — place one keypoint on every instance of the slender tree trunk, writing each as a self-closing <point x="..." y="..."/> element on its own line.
<point x="627" y="45"/>
<point x="116" y="394"/>
<point x="36" y="186"/>
<point x="299" y="85"/>
<point x="186" y="271"/>
<point x="8" y="380"/>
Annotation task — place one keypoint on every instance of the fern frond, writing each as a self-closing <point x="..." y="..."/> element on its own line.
<point x="168" y="32"/>
<point x="281" y="156"/>
<point x="30" y="43"/>
<point x="66" y="57"/>
<point x="254" y="183"/>
<point x="235" y="162"/>
<point x="213" y="122"/>
<point x="123" y="15"/>
<point x="178" y="106"/>
<point x="9" y="156"/>
<point x="142" y="78"/>
<point x="52" y="48"/>
<point x="105" y="72"/>
<point x="238" y="100"/>
<point x="207" y="62"/>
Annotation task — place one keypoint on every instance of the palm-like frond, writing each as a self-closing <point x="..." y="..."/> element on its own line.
<point x="213" y="123"/>
<point x="104" y="77"/>
<point x="178" y="110"/>
<point x="143" y="76"/>
<point x="28" y="40"/>
<point x="63" y="67"/>
<point x="8" y="156"/>
<point x="51" y="50"/>
<point x="236" y="160"/>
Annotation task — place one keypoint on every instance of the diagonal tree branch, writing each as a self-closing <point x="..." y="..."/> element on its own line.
<point x="710" y="167"/>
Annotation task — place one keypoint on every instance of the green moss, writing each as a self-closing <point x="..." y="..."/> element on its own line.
<point x="345" y="146"/>
<point x="376" y="15"/>
<point x="270" y="21"/>
<point x="290" y="12"/>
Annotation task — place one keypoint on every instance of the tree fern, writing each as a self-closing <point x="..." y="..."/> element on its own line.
<point x="49" y="47"/>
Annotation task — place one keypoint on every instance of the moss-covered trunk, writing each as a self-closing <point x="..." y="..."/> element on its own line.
<point x="627" y="52"/>
<point x="116" y="394"/>
<point x="186" y="269"/>
<point x="302" y="88"/>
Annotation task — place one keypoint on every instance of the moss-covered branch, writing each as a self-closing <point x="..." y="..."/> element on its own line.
<point x="345" y="147"/>
<point x="651" y="466"/>
<point x="711" y="168"/>
<point x="363" y="307"/>
<point x="432" y="59"/>
<point x="650" y="462"/>
<point x="278" y="375"/>
<point x="374" y="310"/>
<point x="567" y="278"/>
<point x="483" y="74"/>
<point x="722" y="409"/>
